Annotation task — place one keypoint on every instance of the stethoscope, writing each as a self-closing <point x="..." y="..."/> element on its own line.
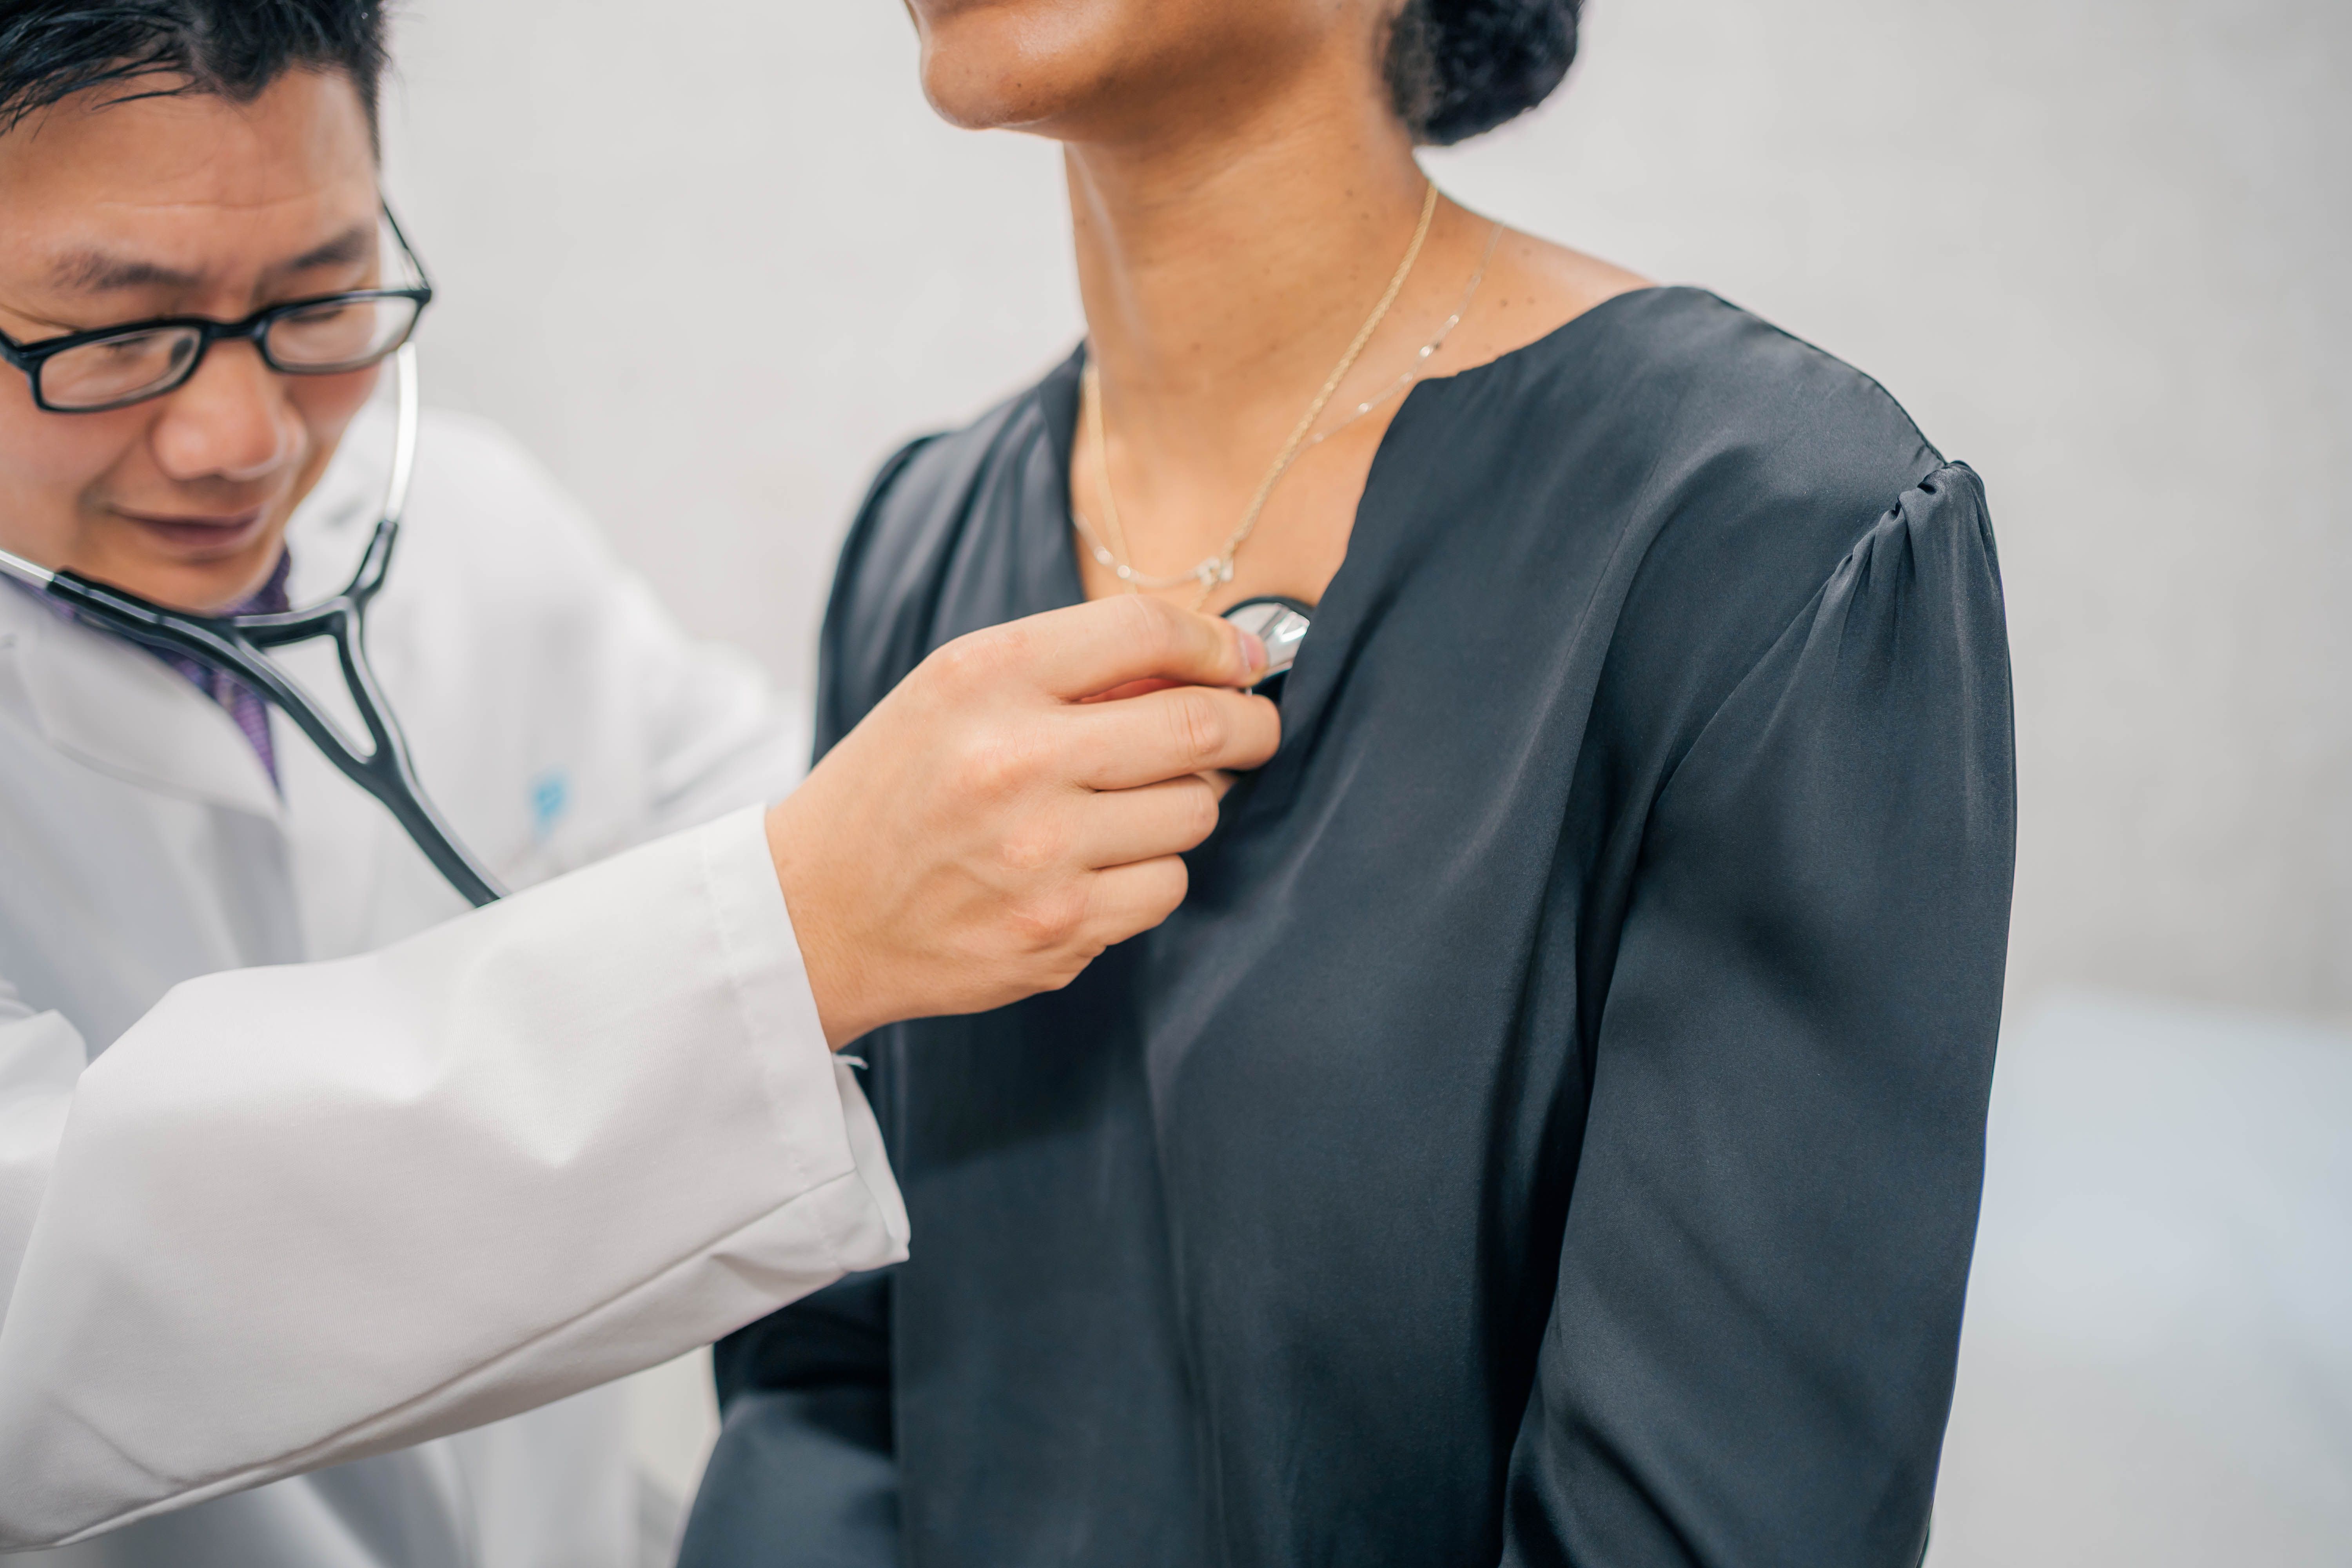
<point x="233" y="645"/>
<point x="1281" y="623"/>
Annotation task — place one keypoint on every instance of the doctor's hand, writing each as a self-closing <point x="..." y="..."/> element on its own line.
<point x="987" y="831"/>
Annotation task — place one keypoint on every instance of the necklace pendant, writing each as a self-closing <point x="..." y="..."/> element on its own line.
<point x="1225" y="571"/>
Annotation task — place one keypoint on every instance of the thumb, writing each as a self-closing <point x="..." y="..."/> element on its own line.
<point x="1091" y="649"/>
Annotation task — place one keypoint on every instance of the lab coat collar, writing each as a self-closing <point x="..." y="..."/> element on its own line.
<point x="123" y="712"/>
<point x="120" y="709"/>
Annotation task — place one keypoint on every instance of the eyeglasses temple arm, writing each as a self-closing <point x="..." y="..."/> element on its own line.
<point x="415" y="262"/>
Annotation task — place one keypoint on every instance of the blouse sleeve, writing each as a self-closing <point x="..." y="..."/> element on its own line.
<point x="1750" y="1351"/>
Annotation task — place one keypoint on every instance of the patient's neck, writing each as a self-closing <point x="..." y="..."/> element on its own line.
<point x="1223" y="274"/>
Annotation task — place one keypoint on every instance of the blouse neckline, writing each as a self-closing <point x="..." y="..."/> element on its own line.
<point x="1335" y="613"/>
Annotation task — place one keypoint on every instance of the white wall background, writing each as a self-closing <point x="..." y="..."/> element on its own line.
<point x="712" y="259"/>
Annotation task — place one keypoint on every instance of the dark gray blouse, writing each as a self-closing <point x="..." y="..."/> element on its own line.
<point x="1550" y="1131"/>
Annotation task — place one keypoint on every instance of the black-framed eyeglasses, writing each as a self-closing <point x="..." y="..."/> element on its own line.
<point x="329" y="334"/>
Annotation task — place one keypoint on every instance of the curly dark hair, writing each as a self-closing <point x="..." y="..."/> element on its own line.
<point x="1456" y="67"/>
<point x="52" y="49"/>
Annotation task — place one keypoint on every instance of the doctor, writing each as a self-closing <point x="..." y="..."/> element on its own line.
<point x="303" y="1165"/>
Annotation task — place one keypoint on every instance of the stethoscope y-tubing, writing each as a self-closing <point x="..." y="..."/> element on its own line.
<point x="233" y="645"/>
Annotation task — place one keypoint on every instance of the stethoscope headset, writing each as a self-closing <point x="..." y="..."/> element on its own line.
<point x="240" y="646"/>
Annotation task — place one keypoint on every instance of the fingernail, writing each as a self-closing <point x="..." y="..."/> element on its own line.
<point x="1253" y="651"/>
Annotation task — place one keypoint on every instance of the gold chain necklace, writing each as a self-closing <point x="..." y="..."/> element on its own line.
<point x="1412" y="371"/>
<point x="1218" y="568"/>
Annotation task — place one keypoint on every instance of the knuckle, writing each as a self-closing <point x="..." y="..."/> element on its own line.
<point x="951" y="663"/>
<point x="989" y="765"/>
<point x="1191" y="808"/>
<point x="1050" y="921"/>
<point x="1202" y="809"/>
<point x="1148" y="622"/>
<point x="1072" y="962"/>
<point x="1033" y="847"/>
<point x="977" y="658"/>
<point x="1200" y="725"/>
<point x="1009" y="646"/>
<point x="1172" y="882"/>
<point x="1268" y="719"/>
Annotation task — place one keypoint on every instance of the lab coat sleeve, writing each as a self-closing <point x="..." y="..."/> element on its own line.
<point x="40" y="1057"/>
<point x="302" y="1215"/>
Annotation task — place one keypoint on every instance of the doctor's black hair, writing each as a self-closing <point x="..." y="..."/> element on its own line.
<point x="1456" y="67"/>
<point x="52" y="49"/>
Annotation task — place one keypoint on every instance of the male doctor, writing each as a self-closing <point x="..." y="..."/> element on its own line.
<point x="301" y="1164"/>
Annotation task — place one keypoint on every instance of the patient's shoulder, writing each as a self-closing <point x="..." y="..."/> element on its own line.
<point x="1735" y="468"/>
<point x="1711" y="398"/>
<point x="943" y="505"/>
<point x="930" y="493"/>
<point x="1726" y="458"/>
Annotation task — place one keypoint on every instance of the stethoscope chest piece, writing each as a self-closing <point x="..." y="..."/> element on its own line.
<point x="1281" y="623"/>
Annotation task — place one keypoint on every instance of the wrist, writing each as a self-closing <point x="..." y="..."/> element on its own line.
<point x="834" y="964"/>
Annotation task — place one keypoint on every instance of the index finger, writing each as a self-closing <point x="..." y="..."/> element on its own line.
<point x="1141" y="740"/>
<point x="1090" y="648"/>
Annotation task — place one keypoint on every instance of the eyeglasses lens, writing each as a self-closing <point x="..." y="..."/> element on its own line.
<point x="326" y="338"/>
<point x="340" y="335"/>
<point x="117" y="370"/>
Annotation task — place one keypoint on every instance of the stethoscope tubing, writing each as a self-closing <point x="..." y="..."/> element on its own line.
<point x="235" y="645"/>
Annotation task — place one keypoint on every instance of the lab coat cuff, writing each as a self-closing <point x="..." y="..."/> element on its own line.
<point x="40" y="1059"/>
<point x="823" y="1136"/>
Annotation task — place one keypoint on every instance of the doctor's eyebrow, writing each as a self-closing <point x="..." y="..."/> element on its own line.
<point x="356" y="243"/>
<point x="94" y="271"/>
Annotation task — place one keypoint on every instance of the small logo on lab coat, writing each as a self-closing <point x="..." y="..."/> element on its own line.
<point x="550" y="794"/>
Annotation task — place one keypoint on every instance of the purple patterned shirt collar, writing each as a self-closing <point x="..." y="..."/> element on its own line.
<point x="243" y="704"/>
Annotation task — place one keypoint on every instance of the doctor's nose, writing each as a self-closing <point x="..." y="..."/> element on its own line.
<point x="232" y="420"/>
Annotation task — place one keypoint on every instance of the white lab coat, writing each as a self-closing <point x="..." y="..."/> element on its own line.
<point x="350" y="1168"/>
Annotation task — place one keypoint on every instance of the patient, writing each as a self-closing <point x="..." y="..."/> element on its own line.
<point x="1550" y="1133"/>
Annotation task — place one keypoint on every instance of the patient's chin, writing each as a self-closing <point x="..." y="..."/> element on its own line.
<point x="1077" y="69"/>
<point x="976" y="101"/>
<point x="1012" y="65"/>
